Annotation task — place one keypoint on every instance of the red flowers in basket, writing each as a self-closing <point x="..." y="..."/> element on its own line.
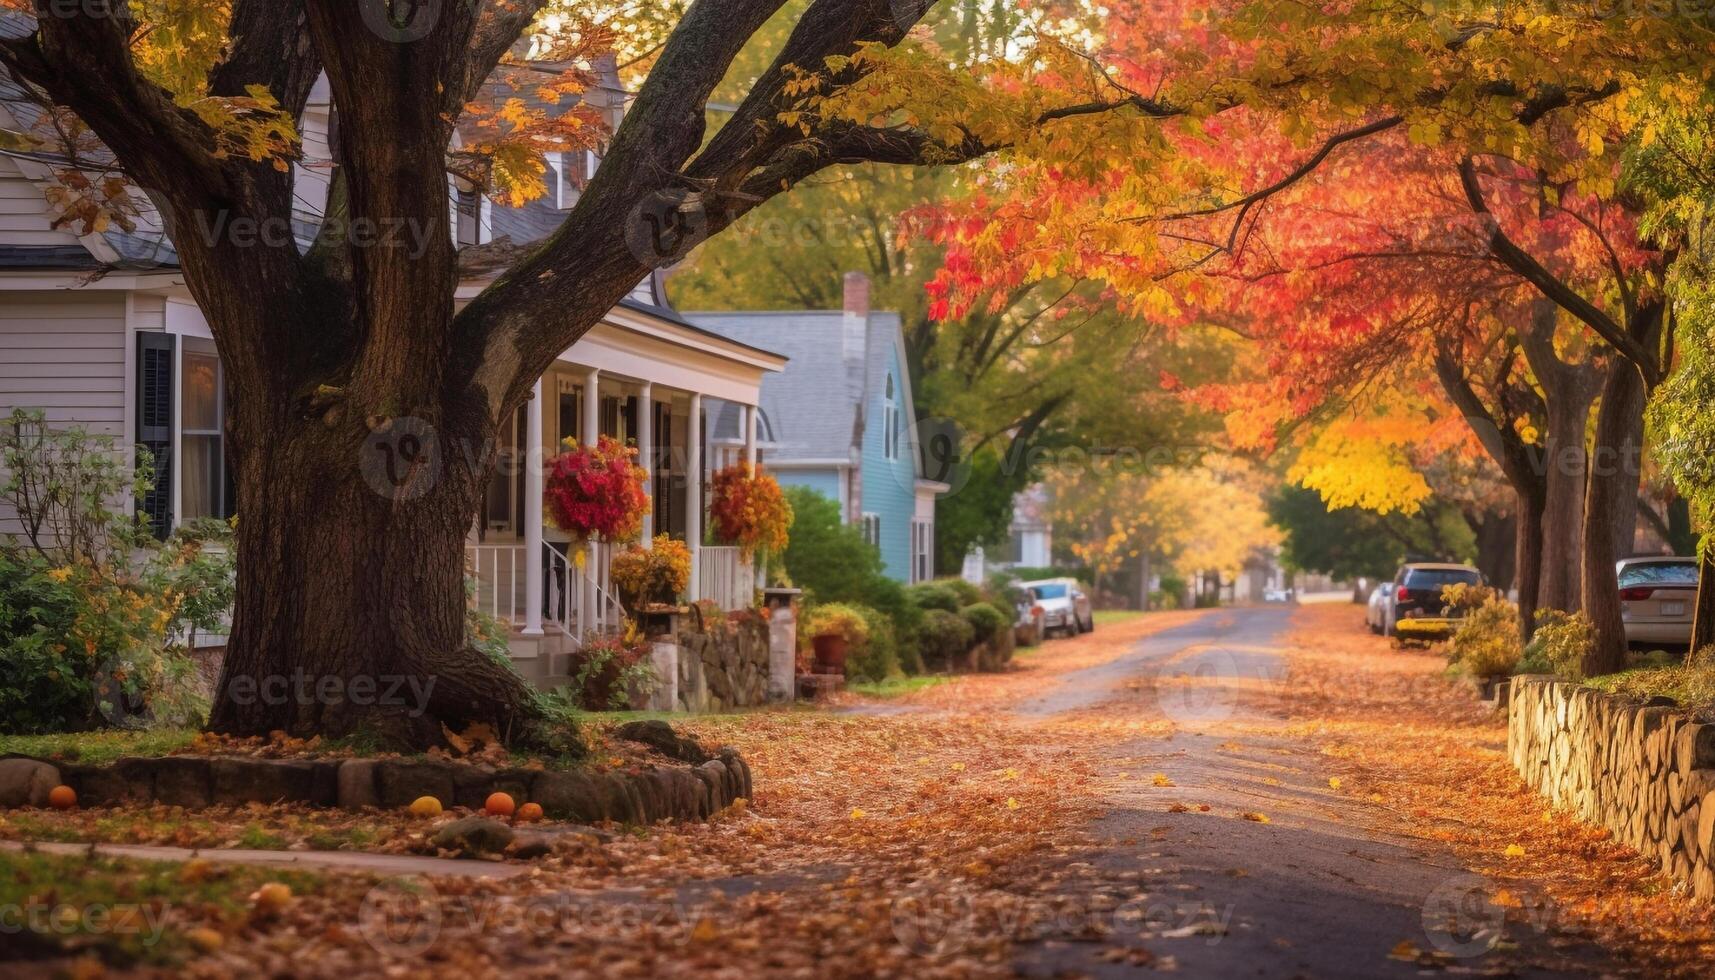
<point x="597" y="491"/>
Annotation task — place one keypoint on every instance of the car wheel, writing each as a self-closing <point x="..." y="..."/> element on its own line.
<point x="1387" y="627"/>
<point x="1090" y="624"/>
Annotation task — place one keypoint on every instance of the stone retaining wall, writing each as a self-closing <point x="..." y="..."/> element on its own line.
<point x="723" y="665"/>
<point x="1646" y="772"/>
<point x="689" y="792"/>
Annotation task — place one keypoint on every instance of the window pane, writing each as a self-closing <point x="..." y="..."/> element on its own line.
<point x="200" y="407"/>
<point x="201" y="469"/>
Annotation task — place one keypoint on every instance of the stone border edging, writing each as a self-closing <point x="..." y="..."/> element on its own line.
<point x="693" y="791"/>
<point x="1646" y="772"/>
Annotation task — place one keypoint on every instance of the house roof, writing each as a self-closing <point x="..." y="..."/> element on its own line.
<point x="814" y="408"/>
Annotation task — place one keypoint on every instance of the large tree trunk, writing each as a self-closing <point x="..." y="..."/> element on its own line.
<point x="1528" y="552"/>
<point x="1703" y="619"/>
<point x="1497" y="547"/>
<point x="1611" y="511"/>
<point x="351" y="605"/>
<point x="1563" y="502"/>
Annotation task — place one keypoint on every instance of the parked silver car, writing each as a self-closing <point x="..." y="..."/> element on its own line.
<point x="1381" y="606"/>
<point x="1657" y="598"/>
<point x="1064" y="605"/>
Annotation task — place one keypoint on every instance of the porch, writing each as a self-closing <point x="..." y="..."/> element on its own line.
<point x="644" y="381"/>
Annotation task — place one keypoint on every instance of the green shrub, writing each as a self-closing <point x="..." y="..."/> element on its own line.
<point x="1561" y="642"/>
<point x="607" y="670"/>
<point x="96" y="616"/>
<point x="935" y="595"/>
<point x="968" y="594"/>
<point x="1487" y="643"/>
<point x="997" y="652"/>
<point x="944" y="638"/>
<point x="877" y="657"/>
<point x="986" y="620"/>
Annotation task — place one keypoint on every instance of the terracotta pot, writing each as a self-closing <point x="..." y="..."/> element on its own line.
<point x="830" y="653"/>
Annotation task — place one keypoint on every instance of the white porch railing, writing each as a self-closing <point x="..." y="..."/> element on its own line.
<point x="575" y="601"/>
<point x="724" y="578"/>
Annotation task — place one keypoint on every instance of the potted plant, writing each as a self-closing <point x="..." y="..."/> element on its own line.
<point x="833" y="628"/>
<point x="654" y="576"/>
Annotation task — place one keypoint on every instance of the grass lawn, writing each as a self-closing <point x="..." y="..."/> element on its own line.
<point x="97" y="747"/>
<point x="1111" y="617"/>
<point x="129" y="912"/>
<point x="895" y="686"/>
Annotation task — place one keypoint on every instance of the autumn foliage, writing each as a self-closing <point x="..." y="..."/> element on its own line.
<point x="597" y="492"/>
<point x="749" y="510"/>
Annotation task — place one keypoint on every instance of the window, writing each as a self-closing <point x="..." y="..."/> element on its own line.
<point x="202" y="455"/>
<point x="469" y="215"/>
<point x="922" y="550"/>
<point x="872" y="529"/>
<point x="890" y="423"/>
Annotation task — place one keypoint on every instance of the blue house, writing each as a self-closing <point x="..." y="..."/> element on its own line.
<point x="839" y="420"/>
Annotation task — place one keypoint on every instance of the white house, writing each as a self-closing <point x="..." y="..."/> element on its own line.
<point x="100" y="331"/>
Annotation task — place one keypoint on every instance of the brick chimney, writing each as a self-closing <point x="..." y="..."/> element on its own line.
<point x="854" y="334"/>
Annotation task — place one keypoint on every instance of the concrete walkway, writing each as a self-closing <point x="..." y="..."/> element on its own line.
<point x="354" y="861"/>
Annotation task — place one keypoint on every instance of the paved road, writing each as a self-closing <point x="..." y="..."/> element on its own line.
<point x="1313" y="892"/>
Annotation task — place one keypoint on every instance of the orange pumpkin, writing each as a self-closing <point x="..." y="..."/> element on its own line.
<point x="530" y="813"/>
<point x="499" y="805"/>
<point x="62" y="798"/>
<point x="425" y="806"/>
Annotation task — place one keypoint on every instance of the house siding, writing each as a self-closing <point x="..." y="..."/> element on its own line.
<point x="889" y="485"/>
<point x="64" y="355"/>
<point x="24" y="215"/>
<point x="824" y="482"/>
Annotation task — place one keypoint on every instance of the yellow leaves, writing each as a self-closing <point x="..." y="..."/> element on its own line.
<point x="1255" y="817"/>
<point x="1334" y="782"/>
<point x="1011" y="803"/>
<point x="1162" y="780"/>
<point x="705" y="931"/>
<point x="857" y="814"/>
<point x="1514" y="851"/>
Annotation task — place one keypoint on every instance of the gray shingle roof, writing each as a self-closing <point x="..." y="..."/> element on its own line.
<point x="813" y="407"/>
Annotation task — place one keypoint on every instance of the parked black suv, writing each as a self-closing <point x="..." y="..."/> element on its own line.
<point x="1417" y="591"/>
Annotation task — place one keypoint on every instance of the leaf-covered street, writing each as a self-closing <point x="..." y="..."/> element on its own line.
<point x="1264" y="791"/>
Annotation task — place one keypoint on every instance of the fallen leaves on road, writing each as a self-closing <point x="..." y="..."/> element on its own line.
<point x="1431" y="759"/>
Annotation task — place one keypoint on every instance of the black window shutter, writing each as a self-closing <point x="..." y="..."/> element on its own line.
<point x="155" y="426"/>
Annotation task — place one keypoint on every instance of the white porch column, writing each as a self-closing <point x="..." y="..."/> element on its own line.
<point x="533" y="463"/>
<point x="750" y="438"/>
<point x="646" y="456"/>
<point x="587" y="603"/>
<point x="694" y="492"/>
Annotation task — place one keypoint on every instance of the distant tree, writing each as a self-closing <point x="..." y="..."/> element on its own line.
<point x="1348" y="542"/>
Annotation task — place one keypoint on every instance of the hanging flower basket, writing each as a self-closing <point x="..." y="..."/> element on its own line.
<point x="597" y="491"/>
<point x="748" y="510"/>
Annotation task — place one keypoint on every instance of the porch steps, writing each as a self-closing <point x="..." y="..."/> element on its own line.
<point x="542" y="660"/>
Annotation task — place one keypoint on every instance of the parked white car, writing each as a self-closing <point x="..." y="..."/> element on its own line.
<point x="1064" y="605"/>
<point x="1657" y="599"/>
